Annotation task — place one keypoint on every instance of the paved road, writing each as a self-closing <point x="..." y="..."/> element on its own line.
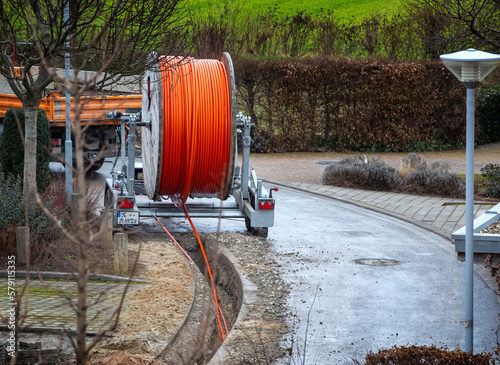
<point x="362" y="281"/>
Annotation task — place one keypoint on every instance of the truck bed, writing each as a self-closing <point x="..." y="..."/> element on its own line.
<point x="94" y="108"/>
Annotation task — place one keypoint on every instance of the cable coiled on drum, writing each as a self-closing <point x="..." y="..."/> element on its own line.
<point x="196" y="128"/>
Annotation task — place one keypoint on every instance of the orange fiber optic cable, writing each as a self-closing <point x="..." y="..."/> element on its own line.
<point x="196" y="128"/>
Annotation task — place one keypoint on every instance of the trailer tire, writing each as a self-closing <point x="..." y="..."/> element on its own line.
<point x="248" y="224"/>
<point x="260" y="231"/>
<point x="108" y="199"/>
<point x="256" y="231"/>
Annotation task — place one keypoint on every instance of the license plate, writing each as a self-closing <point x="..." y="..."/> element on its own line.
<point x="128" y="218"/>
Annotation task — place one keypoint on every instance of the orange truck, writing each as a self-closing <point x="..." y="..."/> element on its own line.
<point x="101" y="134"/>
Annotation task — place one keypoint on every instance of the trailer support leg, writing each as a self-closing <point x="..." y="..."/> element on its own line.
<point x="131" y="157"/>
<point x="247" y="141"/>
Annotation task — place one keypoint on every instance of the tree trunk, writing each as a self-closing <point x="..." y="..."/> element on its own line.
<point x="82" y="232"/>
<point x="30" y="136"/>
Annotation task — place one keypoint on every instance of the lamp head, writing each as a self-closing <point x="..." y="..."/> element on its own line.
<point x="470" y="66"/>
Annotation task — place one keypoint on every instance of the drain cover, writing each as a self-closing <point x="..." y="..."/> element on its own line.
<point x="376" y="262"/>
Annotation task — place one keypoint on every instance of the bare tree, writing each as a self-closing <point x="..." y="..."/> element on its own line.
<point x="448" y="25"/>
<point x="114" y="39"/>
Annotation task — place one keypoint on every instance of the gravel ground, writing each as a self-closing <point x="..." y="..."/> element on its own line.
<point x="494" y="228"/>
<point x="256" y="338"/>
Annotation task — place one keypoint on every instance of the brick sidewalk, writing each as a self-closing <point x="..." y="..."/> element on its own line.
<point x="49" y="308"/>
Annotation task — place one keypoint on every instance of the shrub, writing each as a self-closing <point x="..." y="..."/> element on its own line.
<point x="436" y="180"/>
<point x="410" y="164"/>
<point x="11" y="199"/>
<point x="12" y="150"/>
<point x="12" y="214"/>
<point x="425" y="355"/>
<point x="492" y="174"/>
<point x="488" y="104"/>
<point x="11" y="211"/>
<point x="361" y="172"/>
<point x="414" y="177"/>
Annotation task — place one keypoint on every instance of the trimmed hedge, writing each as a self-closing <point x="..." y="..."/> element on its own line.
<point x="12" y="149"/>
<point x="488" y="107"/>
<point x="366" y="105"/>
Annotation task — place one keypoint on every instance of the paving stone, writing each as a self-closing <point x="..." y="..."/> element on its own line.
<point x="432" y="214"/>
<point x="399" y="209"/>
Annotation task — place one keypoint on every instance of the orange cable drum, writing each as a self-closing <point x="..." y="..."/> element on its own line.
<point x="194" y="135"/>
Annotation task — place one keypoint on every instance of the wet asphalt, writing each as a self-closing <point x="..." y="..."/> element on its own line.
<point x="363" y="281"/>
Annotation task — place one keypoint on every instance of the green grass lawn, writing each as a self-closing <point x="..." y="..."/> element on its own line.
<point x="344" y="9"/>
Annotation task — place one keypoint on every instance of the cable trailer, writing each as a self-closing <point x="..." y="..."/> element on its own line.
<point x="127" y="188"/>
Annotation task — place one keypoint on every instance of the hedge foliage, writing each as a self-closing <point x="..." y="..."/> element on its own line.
<point x="492" y="174"/>
<point x="366" y="105"/>
<point x="13" y="214"/>
<point x="12" y="148"/>
<point x="488" y="107"/>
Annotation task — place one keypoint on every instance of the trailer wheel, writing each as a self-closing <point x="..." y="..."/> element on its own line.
<point x="248" y="224"/>
<point x="108" y="199"/>
<point x="260" y="231"/>
<point x="256" y="231"/>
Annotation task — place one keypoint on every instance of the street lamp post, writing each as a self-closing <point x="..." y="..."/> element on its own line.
<point x="470" y="67"/>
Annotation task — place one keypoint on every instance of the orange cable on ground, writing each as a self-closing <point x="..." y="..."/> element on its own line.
<point x="217" y="307"/>
<point x="175" y="241"/>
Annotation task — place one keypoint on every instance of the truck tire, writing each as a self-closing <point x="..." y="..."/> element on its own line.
<point x="96" y="165"/>
<point x="260" y="231"/>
